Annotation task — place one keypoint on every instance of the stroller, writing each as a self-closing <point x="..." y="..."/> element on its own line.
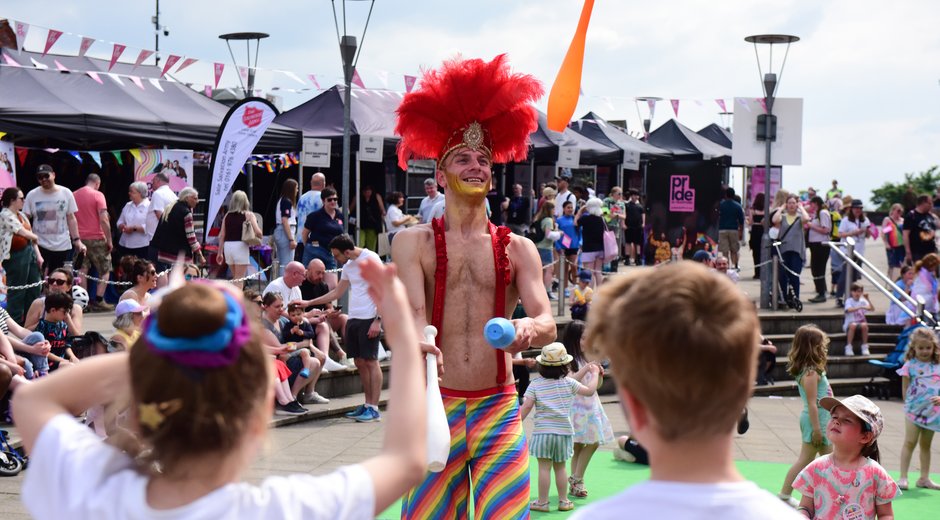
<point x="889" y="366"/>
<point x="789" y="294"/>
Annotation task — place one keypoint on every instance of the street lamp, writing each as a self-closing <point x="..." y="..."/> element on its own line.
<point x="767" y="132"/>
<point x="247" y="37"/>
<point x="350" y="55"/>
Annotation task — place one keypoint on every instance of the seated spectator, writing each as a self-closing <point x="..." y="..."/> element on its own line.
<point x="581" y="296"/>
<point x="722" y="265"/>
<point x="895" y="315"/>
<point x="703" y="257"/>
<point x="14" y="334"/>
<point x="272" y="308"/>
<point x="315" y="286"/>
<point x="40" y="360"/>
<point x="128" y="315"/>
<point x="143" y="275"/>
<point x="297" y="330"/>
<point x="55" y="330"/>
<point x="60" y="281"/>
<point x="9" y="359"/>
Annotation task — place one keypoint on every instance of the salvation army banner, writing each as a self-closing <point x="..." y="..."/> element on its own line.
<point x="7" y="165"/>
<point x="241" y="130"/>
<point x="175" y="164"/>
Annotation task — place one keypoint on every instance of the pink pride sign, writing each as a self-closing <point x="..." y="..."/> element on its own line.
<point x="681" y="195"/>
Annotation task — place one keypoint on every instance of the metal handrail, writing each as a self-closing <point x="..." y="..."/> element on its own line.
<point x="884" y="277"/>
<point x="918" y="315"/>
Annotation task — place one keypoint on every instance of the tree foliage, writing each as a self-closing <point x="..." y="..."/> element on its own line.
<point x="922" y="182"/>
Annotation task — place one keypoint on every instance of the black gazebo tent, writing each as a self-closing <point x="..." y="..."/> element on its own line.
<point x="716" y="134"/>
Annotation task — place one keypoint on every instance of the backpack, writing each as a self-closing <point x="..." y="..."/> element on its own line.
<point x="536" y="232"/>
<point x="836" y="220"/>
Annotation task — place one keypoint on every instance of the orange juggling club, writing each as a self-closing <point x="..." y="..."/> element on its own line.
<point x="564" y="95"/>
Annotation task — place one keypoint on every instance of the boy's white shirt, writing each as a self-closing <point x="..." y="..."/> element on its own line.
<point x="664" y="499"/>
<point x="73" y="474"/>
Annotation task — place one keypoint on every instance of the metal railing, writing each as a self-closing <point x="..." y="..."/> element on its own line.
<point x="922" y="316"/>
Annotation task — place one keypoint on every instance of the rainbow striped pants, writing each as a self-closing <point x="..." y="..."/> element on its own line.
<point x="487" y="447"/>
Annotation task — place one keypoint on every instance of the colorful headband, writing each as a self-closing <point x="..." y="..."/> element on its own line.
<point x="213" y="350"/>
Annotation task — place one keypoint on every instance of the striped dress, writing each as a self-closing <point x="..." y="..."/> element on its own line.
<point x="553" y="435"/>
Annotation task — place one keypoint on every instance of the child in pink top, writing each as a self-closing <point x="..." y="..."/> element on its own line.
<point x="849" y="483"/>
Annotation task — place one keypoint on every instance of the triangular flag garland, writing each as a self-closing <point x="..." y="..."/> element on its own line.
<point x="76" y="156"/>
<point x="144" y="54"/>
<point x="763" y="103"/>
<point x="207" y="91"/>
<point x="22" y="153"/>
<point x="38" y="65"/>
<point x="313" y="79"/>
<point x="156" y="84"/>
<point x="721" y="104"/>
<point x="61" y="67"/>
<point x="169" y="63"/>
<point x="356" y="80"/>
<point x="243" y="74"/>
<point x="85" y="45"/>
<point x="94" y="75"/>
<point x="117" y="157"/>
<point x="136" y="153"/>
<point x="675" y="106"/>
<point x="218" y="68"/>
<point x="10" y="61"/>
<point x="51" y="38"/>
<point x="115" y="54"/>
<point x="95" y="156"/>
<point x="22" y="29"/>
<point x="186" y="63"/>
<point x="651" y="103"/>
<point x="409" y="82"/>
<point x="136" y="80"/>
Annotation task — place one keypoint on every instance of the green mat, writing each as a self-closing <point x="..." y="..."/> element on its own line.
<point x="607" y="477"/>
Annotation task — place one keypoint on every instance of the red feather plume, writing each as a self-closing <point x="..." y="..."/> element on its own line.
<point x="464" y="91"/>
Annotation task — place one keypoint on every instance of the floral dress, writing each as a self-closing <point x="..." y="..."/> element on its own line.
<point x="925" y="383"/>
<point x="588" y="419"/>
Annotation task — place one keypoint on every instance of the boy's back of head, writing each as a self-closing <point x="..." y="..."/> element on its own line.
<point x="58" y="301"/>
<point x="688" y="351"/>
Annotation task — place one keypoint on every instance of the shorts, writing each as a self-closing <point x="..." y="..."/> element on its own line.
<point x="236" y="252"/>
<point x="895" y="256"/>
<point x="590" y="256"/>
<point x="546" y="256"/>
<point x="358" y="343"/>
<point x="633" y="236"/>
<point x="295" y="364"/>
<point x="557" y="448"/>
<point x="570" y="252"/>
<point x="729" y="240"/>
<point x="97" y="255"/>
<point x="52" y="260"/>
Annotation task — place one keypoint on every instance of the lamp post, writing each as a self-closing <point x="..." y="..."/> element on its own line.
<point x="767" y="132"/>
<point x="349" y="53"/>
<point x="248" y="89"/>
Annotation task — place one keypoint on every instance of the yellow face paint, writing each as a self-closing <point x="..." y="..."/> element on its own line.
<point x="465" y="189"/>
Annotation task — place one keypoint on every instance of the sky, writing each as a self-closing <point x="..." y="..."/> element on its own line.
<point x="867" y="71"/>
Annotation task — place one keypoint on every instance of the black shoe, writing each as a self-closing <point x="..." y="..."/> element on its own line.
<point x="839" y="302"/>
<point x="820" y="298"/>
<point x="743" y="423"/>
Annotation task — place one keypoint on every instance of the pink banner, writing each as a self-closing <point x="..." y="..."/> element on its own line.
<point x="757" y="183"/>
<point x="86" y="44"/>
<point x="356" y="80"/>
<point x="94" y="76"/>
<point x="51" y="38"/>
<point x="675" y="106"/>
<point x="410" y="82"/>
<point x="144" y="54"/>
<point x="186" y="63"/>
<point x="652" y="104"/>
<point x="681" y="194"/>
<point x="313" y="79"/>
<point x="137" y="82"/>
<point x="169" y="63"/>
<point x="22" y="29"/>
<point x="763" y="103"/>
<point x="721" y="105"/>
<point x="218" y="68"/>
<point x="115" y="54"/>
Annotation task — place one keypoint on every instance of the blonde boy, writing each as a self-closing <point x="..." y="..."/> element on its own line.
<point x="682" y="386"/>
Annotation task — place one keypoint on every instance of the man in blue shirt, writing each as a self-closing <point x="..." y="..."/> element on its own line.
<point x="730" y="226"/>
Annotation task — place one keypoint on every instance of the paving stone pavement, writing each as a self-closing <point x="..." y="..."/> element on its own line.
<point x="322" y="446"/>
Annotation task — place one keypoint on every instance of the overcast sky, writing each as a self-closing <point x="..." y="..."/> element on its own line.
<point x="867" y="71"/>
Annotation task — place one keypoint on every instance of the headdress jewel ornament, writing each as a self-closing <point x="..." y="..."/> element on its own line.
<point x="213" y="350"/>
<point x="470" y="103"/>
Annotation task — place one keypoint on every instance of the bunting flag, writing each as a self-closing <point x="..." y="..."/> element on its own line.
<point x="207" y="91"/>
<point x="743" y="103"/>
<point x="721" y="104"/>
<point x="243" y="74"/>
<point x="652" y="104"/>
<point x="169" y="63"/>
<point x="383" y="78"/>
<point x="22" y="29"/>
<point x="763" y="103"/>
<point x="313" y="79"/>
<point x="117" y="157"/>
<point x="61" y="67"/>
<point x="76" y="156"/>
<point x="115" y="54"/>
<point x="10" y="61"/>
<point x="675" y="106"/>
<point x="186" y="63"/>
<point x="410" y="82"/>
<point x="136" y="153"/>
<point x="2" y="134"/>
<point x="267" y="166"/>
<point x="218" y="68"/>
<point x="38" y="65"/>
<point x="116" y="78"/>
<point x="144" y="54"/>
<point x="137" y="82"/>
<point x="94" y="75"/>
<point x="356" y="80"/>
<point x="22" y="153"/>
<point x="156" y="84"/>
<point x="95" y="156"/>
<point x="86" y="44"/>
<point x="51" y="38"/>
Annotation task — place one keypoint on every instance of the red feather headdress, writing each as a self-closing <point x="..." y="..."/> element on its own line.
<point x="469" y="103"/>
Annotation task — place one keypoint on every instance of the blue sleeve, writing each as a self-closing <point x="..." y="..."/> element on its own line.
<point x="309" y="331"/>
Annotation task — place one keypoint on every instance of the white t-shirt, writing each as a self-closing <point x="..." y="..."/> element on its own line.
<point x="855" y="316"/>
<point x="847" y="226"/>
<point x="159" y="200"/>
<point x="288" y="294"/>
<point x="73" y="474"/>
<point x="393" y="214"/>
<point x="50" y="213"/>
<point x="561" y="198"/>
<point x="663" y="499"/>
<point x="360" y="304"/>
<point x="427" y="207"/>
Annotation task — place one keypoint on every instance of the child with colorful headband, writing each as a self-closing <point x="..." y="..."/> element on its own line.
<point x="201" y="387"/>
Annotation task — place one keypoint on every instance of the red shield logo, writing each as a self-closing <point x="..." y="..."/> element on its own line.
<point x="252" y="116"/>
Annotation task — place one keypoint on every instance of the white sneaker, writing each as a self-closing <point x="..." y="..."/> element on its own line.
<point x="333" y="366"/>
<point x="849" y="351"/>
<point x="865" y="350"/>
<point x="314" y="398"/>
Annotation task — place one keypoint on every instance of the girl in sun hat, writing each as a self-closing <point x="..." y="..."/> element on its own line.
<point x="552" y="441"/>
<point x="849" y="482"/>
<point x="128" y="315"/>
